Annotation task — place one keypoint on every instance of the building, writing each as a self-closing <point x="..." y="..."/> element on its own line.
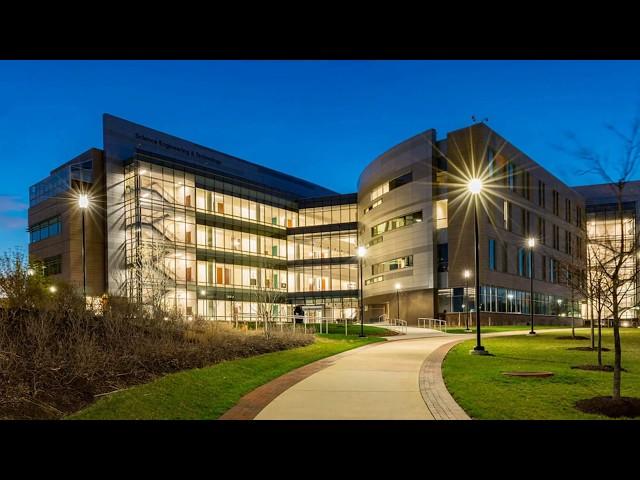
<point x="195" y="229"/>
<point x="603" y="226"/>
<point x="416" y="218"/>
<point x="210" y="234"/>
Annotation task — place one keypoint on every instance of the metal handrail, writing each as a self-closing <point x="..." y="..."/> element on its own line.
<point x="434" y="323"/>
<point x="383" y="318"/>
<point x="398" y="322"/>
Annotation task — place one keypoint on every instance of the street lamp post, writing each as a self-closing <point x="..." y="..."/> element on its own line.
<point x="465" y="298"/>
<point x="397" y="285"/>
<point x="531" y="243"/>
<point x="83" y="203"/>
<point x="475" y="187"/>
<point x="362" y="251"/>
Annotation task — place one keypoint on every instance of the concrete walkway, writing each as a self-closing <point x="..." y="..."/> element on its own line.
<point x="399" y="379"/>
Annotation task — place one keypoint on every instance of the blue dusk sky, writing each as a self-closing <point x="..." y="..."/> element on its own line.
<point x="319" y="120"/>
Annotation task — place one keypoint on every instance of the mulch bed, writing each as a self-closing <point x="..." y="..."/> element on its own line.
<point x="589" y="349"/>
<point x="624" y="407"/>
<point x="603" y="368"/>
<point x="569" y="337"/>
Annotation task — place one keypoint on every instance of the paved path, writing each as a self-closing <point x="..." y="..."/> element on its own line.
<point x="397" y="379"/>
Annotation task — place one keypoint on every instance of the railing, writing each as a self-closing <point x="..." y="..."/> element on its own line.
<point x="382" y="318"/>
<point x="398" y="322"/>
<point x="433" y="323"/>
<point x="289" y="322"/>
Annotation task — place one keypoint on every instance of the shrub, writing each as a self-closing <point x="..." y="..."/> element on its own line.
<point x="55" y="356"/>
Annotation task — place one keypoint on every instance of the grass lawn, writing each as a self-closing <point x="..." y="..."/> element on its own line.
<point x="206" y="393"/>
<point x="338" y="329"/>
<point x="479" y="387"/>
<point x="355" y="330"/>
<point x="504" y="328"/>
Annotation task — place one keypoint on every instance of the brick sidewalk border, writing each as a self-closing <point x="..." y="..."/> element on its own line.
<point x="433" y="389"/>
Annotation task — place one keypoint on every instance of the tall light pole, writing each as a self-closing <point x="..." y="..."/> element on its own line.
<point x="397" y="285"/>
<point x="475" y="187"/>
<point x="466" y="274"/>
<point x="362" y="251"/>
<point x="83" y="203"/>
<point x="531" y="242"/>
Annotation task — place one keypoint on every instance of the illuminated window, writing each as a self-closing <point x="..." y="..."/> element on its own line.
<point x="395" y="223"/>
<point x="391" y="265"/>
<point x="375" y="204"/>
<point x="441" y="214"/>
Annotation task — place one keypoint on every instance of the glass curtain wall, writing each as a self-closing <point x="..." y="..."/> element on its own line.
<point x="506" y="300"/>
<point x="168" y="246"/>
<point x="325" y="262"/>
<point x="605" y="233"/>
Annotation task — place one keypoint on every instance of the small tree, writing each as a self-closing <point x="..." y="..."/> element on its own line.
<point x="615" y="255"/>
<point x="596" y="295"/>
<point x="22" y="284"/>
<point x="267" y="302"/>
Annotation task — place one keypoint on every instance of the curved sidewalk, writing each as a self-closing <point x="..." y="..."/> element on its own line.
<point x="400" y="379"/>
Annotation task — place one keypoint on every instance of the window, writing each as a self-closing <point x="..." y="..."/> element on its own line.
<point x="526" y="216"/>
<point x="526" y="181"/>
<point x="375" y="204"/>
<point x="491" y="162"/>
<point x="390" y="185"/>
<point x="52" y="265"/>
<point x="371" y="280"/>
<point x="492" y="254"/>
<point x="541" y="194"/>
<point x="556" y="203"/>
<point x="506" y="215"/>
<point x="511" y="176"/>
<point x="567" y="210"/>
<point x="395" y="223"/>
<point x="505" y="257"/>
<point x="544" y="268"/>
<point x="556" y="237"/>
<point x="45" y="229"/>
<point x="521" y="261"/>
<point x="553" y="270"/>
<point x="391" y="265"/>
<point x="374" y="241"/>
<point x="401" y="180"/>
<point x="542" y="230"/>
<point x="578" y="247"/>
<point x="443" y="257"/>
<point x="567" y="243"/>
<point x="441" y="214"/>
<point x="578" y="217"/>
<point x="379" y="191"/>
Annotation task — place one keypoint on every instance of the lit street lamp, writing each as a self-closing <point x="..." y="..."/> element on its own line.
<point x="466" y="274"/>
<point x="397" y="285"/>
<point x="475" y="187"/>
<point x="83" y="203"/>
<point x="362" y="251"/>
<point x="531" y="242"/>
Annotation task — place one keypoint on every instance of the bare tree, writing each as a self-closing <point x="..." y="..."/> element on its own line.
<point x="147" y="279"/>
<point x="267" y="303"/>
<point x="615" y="255"/>
<point x="574" y="279"/>
<point x="595" y="294"/>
